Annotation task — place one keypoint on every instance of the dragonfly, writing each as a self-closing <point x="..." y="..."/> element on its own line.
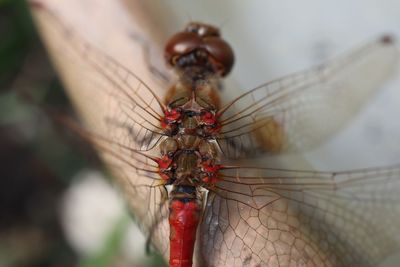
<point x="179" y="156"/>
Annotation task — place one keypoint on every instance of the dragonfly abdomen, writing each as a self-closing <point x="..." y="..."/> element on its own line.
<point x="184" y="216"/>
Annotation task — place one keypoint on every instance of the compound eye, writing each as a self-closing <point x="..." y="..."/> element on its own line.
<point x="221" y="54"/>
<point x="180" y="44"/>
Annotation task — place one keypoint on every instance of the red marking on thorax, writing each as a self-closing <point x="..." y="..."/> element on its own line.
<point x="209" y="167"/>
<point x="208" y="118"/>
<point x="211" y="171"/>
<point x="212" y="125"/>
<point x="173" y="115"/>
<point x="170" y="117"/>
<point x="163" y="164"/>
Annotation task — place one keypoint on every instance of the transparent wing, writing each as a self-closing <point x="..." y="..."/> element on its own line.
<point x="276" y="217"/>
<point x="121" y="119"/>
<point x="300" y="111"/>
<point x="137" y="172"/>
<point x="132" y="110"/>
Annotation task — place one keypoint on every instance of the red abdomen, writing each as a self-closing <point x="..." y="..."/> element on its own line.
<point x="184" y="217"/>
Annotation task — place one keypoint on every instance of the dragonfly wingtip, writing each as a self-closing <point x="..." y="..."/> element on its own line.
<point x="388" y="39"/>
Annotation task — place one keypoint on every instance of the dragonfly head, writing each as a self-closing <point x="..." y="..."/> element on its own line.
<point x="199" y="48"/>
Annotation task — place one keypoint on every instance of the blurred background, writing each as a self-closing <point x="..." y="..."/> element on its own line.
<point x="56" y="210"/>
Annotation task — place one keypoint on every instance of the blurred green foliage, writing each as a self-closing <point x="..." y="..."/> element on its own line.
<point x="17" y="34"/>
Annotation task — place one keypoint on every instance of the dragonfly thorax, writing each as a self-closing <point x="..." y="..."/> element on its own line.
<point x="190" y="155"/>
